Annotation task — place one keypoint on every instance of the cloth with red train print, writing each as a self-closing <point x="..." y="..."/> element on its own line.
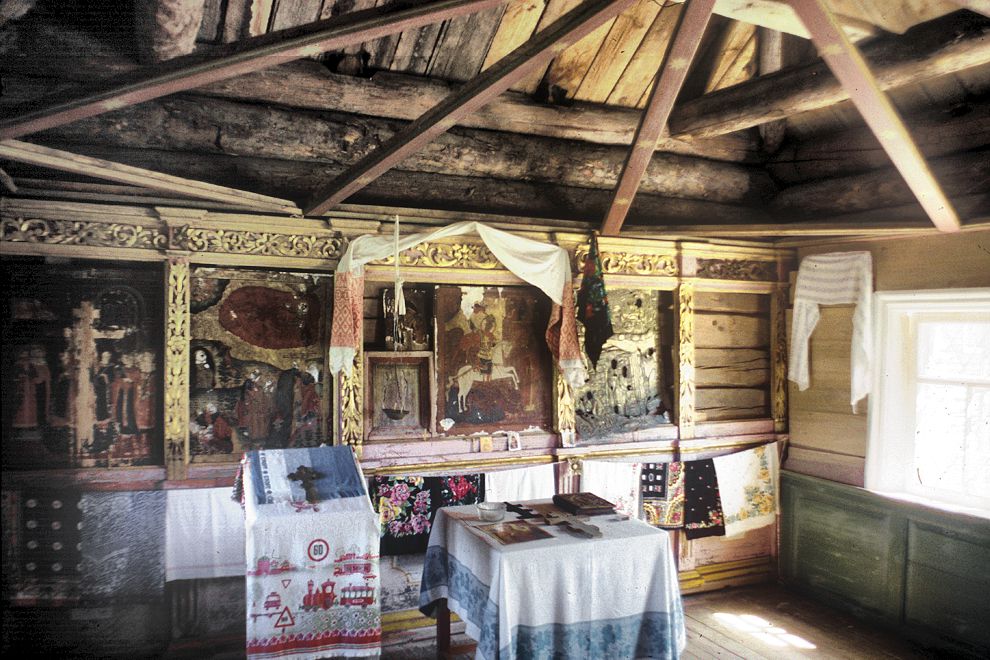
<point x="406" y="506"/>
<point x="313" y="589"/>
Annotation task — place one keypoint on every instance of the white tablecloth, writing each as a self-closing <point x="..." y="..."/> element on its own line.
<point x="568" y="596"/>
<point x="204" y="534"/>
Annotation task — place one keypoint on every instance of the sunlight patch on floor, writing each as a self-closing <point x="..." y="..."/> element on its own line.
<point x="762" y="630"/>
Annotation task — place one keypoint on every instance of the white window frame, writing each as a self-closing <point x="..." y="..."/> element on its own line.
<point x="891" y="416"/>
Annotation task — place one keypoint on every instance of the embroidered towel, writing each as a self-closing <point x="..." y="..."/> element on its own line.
<point x="747" y="483"/>
<point x="616" y="481"/>
<point x="663" y="496"/>
<point x="834" y="279"/>
<point x="204" y="534"/>
<point x="312" y="583"/>
<point x="531" y="483"/>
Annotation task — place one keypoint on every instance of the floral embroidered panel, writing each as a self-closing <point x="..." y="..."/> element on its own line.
<point x="406" y="506"/>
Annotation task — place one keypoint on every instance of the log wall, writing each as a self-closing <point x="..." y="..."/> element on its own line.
<point x="827" y="437"/>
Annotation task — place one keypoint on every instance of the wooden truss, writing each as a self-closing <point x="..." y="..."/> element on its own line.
<point x="258" y="53"/>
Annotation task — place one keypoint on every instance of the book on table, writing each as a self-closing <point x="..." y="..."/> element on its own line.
<point x="583" y="504"/>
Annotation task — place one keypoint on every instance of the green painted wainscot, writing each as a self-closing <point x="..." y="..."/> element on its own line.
<point x="923" y="572"/>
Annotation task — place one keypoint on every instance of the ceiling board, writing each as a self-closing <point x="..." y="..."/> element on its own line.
<point x="554" y="10"/>
<point x="737" y="60"/>
<point x="517" y="25"/>
<point x="617" y="50"/>
<point x="569" y="68"/>
<point x="642" y="68"/>
<point x="462" y="45"/>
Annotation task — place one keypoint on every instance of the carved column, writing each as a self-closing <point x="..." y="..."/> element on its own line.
<point x="350" y="405"/>
<point x="778" y="358"/>
<point x="176" y="367"/>
<point x="685" y="362"/>
<point x="563" y="413"/>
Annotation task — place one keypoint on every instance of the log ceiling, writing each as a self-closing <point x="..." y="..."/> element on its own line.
<point x="470" y="106"/>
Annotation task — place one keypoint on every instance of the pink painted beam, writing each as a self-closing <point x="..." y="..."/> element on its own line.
<point x="852" y="72"/>
<point x="484" y="87"/>
<point x="666" y="86"/>
<point x="241" y="57"/>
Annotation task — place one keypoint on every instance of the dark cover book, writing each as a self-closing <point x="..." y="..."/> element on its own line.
<point x="583" y="504"/>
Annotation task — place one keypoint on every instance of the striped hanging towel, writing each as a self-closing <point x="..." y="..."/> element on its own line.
<point x="838" y="278"/>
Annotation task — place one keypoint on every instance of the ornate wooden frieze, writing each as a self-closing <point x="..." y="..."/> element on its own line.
<point x="448" y="255"/>
<point x="82" y="233"/>
<point x="242" y="241"/>
<point x="685" y="371"/>
<point x="350" y="397"/>
<point x="177" y="367"/>
<point x="630" y="263"/>
<point x="778" y="358"/>
<point x="260" y="243"/>
<point x="738" y="269"/>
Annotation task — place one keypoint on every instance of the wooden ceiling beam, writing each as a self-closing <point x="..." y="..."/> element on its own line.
<point x="854" y="74"/>
<point x="235" y="59"/>
<point x="942" y="47"/>
<point x="543" y="46"/>
<point x="32" y="154"/>
<point x="670" y="77"/>
<point x="776" y="15"/>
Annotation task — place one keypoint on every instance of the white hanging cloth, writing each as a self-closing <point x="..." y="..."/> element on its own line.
<point x="542" y="265"/>
<point x="837" y="278"/>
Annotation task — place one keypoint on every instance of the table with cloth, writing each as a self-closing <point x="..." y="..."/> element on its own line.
<point x="570" y="596"/>
<point x="312" y="567"/>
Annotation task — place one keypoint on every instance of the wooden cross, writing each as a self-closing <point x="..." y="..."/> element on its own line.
<point x="573" y="523"/>
<point x="307" y="476"/>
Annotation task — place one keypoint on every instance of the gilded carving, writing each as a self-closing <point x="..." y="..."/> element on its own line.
<point x="778" y="347"/>
<point x="268" y="244"/>
<point x="75" y="232"/>
<point x="685" y="406"/>
<point x="623" y="392"/>
<point x="626" y="263"/>
<point x="447" y="255"/>
<point x="564" y="412"/>
<point x="351" y="399"/>
<point x="737" y="269"/>
<point x="177" y="367"/>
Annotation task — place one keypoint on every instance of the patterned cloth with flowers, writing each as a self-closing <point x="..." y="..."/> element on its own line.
<point x="663" y="494"/>
<point x="406" y="506"/>
<point x="747" y="481"/>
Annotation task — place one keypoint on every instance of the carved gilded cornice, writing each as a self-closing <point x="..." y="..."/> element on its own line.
<point x="91" y="230"/>
<point x="261" y="243"/>
<point x="630" y="263"/>
<point x="737" y="269"/>
<point x="447" y="255"/>
<point x="82" y="233"/>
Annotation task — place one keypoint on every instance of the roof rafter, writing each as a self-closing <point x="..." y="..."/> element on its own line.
<point x="851" y="70"/>
<point x="668" y="83"/>
<point x="241" y="57"/>
<point x="543" y="46"/>
<point x="32" y="154"/>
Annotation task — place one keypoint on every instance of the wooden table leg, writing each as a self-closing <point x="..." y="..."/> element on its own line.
<point x="443" y="629"/>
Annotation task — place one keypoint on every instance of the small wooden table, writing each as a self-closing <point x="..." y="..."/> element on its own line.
<point x="564" y="595"/>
